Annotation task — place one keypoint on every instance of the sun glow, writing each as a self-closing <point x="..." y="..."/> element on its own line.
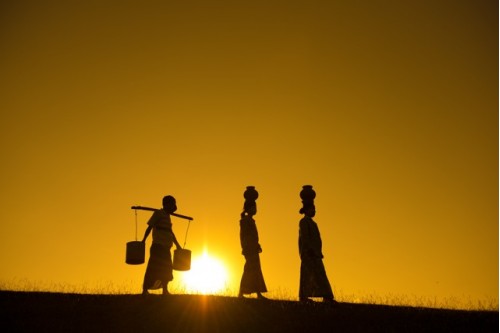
<point x="208" y="275"/>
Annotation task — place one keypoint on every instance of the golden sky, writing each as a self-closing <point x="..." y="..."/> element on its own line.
<point x="388" y="108"/>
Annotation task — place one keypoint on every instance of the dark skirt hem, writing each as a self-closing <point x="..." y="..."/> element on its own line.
<point x="313" y="279"/>
<point x="252" y="280"/>
<point x="159" y="269"/>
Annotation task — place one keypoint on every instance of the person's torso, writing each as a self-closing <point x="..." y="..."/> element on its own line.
<point x="249" y="236"/>
<point x="309" y="235"/>
<point x="162" y="228"/>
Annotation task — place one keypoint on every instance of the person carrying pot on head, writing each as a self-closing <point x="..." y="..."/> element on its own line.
<point x="159" y="270"/>
<point x="313" y="279"/>
<point x="252" y="280"/>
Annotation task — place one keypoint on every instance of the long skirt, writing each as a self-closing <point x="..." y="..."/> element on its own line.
<point x="159" y="270"/>
<point x="252" y="280"/>
<point x="313" y="279"/>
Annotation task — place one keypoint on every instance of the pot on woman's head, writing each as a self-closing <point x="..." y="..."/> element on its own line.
<point x="251" y="193"/>
<point x="307" y="193"/>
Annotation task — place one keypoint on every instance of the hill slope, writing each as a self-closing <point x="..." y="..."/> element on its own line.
<point x="55" y="312"/>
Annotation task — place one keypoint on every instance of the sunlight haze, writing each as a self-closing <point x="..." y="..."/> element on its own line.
<point x="388" y="108"/>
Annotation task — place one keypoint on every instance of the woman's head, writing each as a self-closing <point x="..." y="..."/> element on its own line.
<point x="308" y="210"/>
<point x="169" y="204"/>
<point x="307" y="195"/>
<point x="250" y="208"/>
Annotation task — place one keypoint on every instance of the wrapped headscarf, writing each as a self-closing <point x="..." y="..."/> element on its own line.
<point x="250" y="196"/>
<point x="307" y="195"/>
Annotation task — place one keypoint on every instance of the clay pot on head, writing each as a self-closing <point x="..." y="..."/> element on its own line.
<point x="307" y="193"/>
<point x="251" y="193"/>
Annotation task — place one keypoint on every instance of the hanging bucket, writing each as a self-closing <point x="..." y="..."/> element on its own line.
<point x="135" y="253"/>
<point x="182" y="260"/>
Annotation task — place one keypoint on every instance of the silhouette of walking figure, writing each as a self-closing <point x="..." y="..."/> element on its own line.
<point x="313" y="279"/>
<point x="252" y="280"/>
<point x="159" y="270"/>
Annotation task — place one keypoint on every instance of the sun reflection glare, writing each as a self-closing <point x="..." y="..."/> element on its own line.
<point x="208" y="275"/>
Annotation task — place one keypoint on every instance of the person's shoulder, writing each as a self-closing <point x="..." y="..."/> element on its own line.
<point x="305" y="219"/>
<point x="162" y="213"/>
<point x="159" y="214"/>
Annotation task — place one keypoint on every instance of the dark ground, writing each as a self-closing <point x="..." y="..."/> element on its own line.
<point x="56" y="312"/>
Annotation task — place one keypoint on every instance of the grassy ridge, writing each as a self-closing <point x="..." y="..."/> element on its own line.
<point x="56" y="312"/>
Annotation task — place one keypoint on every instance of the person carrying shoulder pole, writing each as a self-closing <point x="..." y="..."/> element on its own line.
<point x="159" y="270"/>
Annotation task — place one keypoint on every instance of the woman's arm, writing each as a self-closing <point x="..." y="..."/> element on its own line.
<point x="153" y="220"/>
<point x="305" y="248"/>
<point x="249" y="237"/>
<point x="175" y="240"/>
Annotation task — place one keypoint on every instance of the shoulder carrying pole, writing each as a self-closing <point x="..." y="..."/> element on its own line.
<point x="154" y="209"/>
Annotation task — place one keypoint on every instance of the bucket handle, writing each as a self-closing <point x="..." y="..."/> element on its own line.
<point x="136" y="225"/>
<point x="185" y="237"/>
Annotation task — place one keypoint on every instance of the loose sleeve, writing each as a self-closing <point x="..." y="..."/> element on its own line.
<point x="153" y="220"/>
<point x="249" y="237"/>
<point x="304" y="237"/>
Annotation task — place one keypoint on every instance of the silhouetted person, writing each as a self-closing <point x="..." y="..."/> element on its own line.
<point x="159" y="271"/>
<point x="313" y="279"/>
<point x="252" y="280"/>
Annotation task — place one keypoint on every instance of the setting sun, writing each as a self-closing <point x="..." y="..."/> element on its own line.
<point x="208" y="275"/>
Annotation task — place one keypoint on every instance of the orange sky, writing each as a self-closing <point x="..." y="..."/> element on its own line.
<point x="388" y="108"/>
